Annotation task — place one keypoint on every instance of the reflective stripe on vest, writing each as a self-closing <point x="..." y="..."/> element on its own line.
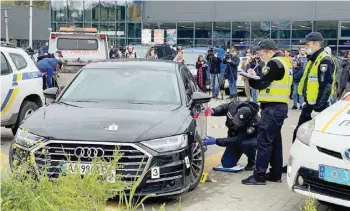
<point x="278" y="91"/>
<point x="308" y="85"/>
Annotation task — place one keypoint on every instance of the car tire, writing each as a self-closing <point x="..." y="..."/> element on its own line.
<point x="27" y="108"/>
<point x="197" y="163"/>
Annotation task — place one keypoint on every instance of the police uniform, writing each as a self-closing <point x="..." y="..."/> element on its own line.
<point x="241" y="121"/>
<point x="317" y="83"/>
<point x="274" y="85"/>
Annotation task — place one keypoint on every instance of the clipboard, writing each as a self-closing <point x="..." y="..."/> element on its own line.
<point x="234" y="169"/>
<point x="254" y="77"/>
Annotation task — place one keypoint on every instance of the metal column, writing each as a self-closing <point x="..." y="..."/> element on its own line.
<point x="31" y="23"/>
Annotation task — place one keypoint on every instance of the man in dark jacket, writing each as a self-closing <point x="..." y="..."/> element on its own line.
<point x="232" y="61"/>
<point x="242" y="122"/>
<point x="214" y="62"/>
<point x="345" y="75"/>
<point x="298" y="71"/>
<point x="43" y="49"/>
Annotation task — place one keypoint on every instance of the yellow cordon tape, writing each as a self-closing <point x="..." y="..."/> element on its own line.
<point x="331" y="120"/>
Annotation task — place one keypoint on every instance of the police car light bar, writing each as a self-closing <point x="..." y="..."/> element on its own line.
<point x="73" y="29"/>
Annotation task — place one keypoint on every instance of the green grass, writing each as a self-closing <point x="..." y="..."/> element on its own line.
<point x="25" y="190"/>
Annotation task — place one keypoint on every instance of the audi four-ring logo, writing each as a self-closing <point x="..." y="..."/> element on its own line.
<point x="89" y="152"/>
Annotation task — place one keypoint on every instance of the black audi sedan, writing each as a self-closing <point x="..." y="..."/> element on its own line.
<point x="150" y="111"/>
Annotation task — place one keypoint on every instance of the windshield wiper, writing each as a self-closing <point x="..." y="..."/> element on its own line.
<point x="140" y="103"/>
<point x="64" y="103"/>
<point x="85" y="101"/>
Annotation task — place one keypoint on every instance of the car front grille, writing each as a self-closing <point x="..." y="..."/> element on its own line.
<point x="330" y="152"/>
<point x="133" y="161"/>
<point x="316" y="185"/>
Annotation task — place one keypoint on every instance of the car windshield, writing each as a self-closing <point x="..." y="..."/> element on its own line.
<point x="191" y="57"/>
<point x="141" y="51"/>
<point x="124" y="85"/>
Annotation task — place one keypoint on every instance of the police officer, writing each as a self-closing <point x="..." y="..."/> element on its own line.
<point x="241" y="121"/>
<point x="274" y="85"/>
<point x="317" y="82"/>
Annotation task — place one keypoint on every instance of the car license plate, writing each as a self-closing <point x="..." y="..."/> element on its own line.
<point x="83" y="168"/>
<point x="335" y="175"/>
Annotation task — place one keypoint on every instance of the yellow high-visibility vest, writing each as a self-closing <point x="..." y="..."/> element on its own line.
<point x="310" y="79"/>
<point x="278" y="91"/>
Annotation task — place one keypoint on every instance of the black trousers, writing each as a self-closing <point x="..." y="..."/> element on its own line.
<point x="234" y="152"/>
<point x="270" y="141"/>
<point x="44" y="82"/>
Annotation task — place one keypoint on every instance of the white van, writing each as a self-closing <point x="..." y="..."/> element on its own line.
<point x="79" y="46"/>
<point x="21" y="86"/>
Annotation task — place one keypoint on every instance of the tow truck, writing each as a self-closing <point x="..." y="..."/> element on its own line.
<point x="79" y="46"/>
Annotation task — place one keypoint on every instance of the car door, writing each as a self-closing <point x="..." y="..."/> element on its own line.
<point x="191" y="87"/>
<point x="8" y="90"/>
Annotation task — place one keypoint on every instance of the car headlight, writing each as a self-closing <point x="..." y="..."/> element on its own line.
<point x="167" y="144"/>
<point x="305" y="131"/>
<point x="26" y="139"/>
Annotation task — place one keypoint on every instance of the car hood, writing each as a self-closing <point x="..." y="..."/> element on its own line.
<point x="335" y="119"/>
<point x="62" y="122"/>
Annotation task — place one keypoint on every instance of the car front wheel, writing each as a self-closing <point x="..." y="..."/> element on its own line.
<point x="27" y="108"/>
<point x="197" y="163"/>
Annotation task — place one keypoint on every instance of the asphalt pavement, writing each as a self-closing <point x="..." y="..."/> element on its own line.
<point x="226" y="193"/>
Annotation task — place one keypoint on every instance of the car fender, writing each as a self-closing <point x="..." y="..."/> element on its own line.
<point x="189" y="127"/>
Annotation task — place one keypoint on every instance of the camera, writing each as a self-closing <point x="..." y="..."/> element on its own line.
<point x="211" y="51"/>
<point x="227" y="56"/>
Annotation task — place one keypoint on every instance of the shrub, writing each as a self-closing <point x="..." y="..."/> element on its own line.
<point x="25" y="189"/>
<point x="309" y="205"/>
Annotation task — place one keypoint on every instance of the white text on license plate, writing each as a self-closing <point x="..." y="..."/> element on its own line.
<point x="83" y="168"/>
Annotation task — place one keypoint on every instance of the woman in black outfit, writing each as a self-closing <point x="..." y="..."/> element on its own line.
<point x="201" y="66"/>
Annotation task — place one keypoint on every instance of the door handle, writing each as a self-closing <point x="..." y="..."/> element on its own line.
<point x="15" y="83"/>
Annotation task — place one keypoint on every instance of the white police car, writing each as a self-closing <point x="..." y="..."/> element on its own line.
<point x="319" y="162"/>
<point x="21" y="86"/>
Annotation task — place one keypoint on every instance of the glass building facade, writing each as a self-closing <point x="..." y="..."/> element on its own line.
<point x="123" y="21"/>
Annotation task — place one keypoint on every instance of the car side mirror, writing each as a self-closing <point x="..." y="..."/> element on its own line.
<point x="51" y="93"/>
<point x="200" y="98"/>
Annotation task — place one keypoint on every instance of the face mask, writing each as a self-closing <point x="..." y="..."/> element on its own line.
<point x="309" y="51"/>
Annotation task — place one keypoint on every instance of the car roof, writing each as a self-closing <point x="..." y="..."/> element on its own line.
<point x="7" y="45"/>
<point x="142" y="63"/>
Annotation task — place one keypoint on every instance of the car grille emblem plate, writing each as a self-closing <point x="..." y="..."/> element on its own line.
<point x="89" y="152"/>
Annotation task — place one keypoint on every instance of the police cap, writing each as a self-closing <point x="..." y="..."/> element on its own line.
<point x="266" y="44"/>
<point x="312" y="36"/>
<point x="242" y="116"/>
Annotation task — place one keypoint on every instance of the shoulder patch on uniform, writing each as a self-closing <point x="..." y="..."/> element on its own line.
<point x="265" y="70"/>
<point x="323" y="67"/>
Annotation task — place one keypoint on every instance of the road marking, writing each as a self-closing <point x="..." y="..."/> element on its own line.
<point x="331" y="120"/>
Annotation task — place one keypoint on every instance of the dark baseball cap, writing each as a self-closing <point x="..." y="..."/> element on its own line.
<point x="242" y="116"/>
<point x="312" y="36"/>
<point x="266" y="44"/>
